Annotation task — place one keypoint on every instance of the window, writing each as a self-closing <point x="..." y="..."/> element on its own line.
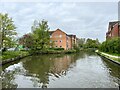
<point x="56" y="41"/>
<point x="60" y="46"/>
<point x="56" y="46"/>
<point x="60" y="40"/>
<point x="67" y="45"/>
<point x="60" y="36"/>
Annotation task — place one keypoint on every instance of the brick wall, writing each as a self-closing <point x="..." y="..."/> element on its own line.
<point x="62" y="40"/>
<point x="59" y="39"/>
<point x="113" y="31"/>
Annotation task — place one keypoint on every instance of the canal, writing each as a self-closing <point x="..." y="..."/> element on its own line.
<point x="81" y="70"/>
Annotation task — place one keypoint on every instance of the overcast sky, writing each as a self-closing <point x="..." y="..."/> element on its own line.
<point x="86" y="20"/>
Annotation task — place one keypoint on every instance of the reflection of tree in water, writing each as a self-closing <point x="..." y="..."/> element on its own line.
<point x="38" y="66"/>
<point x="0" y="78"/>
<point x="7" y="79"/>
<point x="43" y="66"/>
<point x="90" y="53"/>
<point x="113" y="68"/>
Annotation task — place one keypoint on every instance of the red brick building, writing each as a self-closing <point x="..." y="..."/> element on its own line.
<point x="113" y="30"/>
<point x="62" y="40"/>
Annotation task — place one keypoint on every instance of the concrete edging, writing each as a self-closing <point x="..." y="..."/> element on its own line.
<point x="104" y="56"/>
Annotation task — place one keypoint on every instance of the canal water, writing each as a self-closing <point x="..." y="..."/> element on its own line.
<point x="81" y="70"/>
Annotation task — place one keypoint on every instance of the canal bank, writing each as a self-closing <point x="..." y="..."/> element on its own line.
<point x="114" y="59"/>
<point x="12" y="59"/>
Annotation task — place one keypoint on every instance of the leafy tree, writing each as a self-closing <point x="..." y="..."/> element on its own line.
<point x="0" y="39"/>
<point x="81" y="42"/>
<point x="111" y="45"/>
<point x="41" y="35"/>
<point x="26" y="40"/>
<point x="92" y="43"/>
<point x="7" y="30"/>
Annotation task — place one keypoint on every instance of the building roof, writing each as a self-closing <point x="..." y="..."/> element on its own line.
<point x="113" y="23"/>
<point x="70" y="35"/>
<point x="50" y="32"/>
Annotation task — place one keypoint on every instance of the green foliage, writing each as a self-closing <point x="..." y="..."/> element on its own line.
<point x="41" y="36"/>
<point x="87" y="44"/>
<point x="92" y="43"/>
<point x="56" y="48"/>
<point x="26" y="40"/>
<point x="111" y="45"/>
<point x="70" y="51"/>
<point x="81" y="42"/>
<point x="13" y="54"/>
<point x="76" y="48"/>
<point x="7" y="31"/>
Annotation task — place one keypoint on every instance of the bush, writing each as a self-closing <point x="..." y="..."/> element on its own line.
<point x="56" y="48"/>
<point x="13" y="54"/>
<point x="111" y="45"/>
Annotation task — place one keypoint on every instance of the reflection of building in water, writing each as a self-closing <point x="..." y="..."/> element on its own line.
<point x="43" y="66"/>
<point x="61" y="64"/>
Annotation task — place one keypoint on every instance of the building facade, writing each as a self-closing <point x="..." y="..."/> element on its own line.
<point x="62" y="40"/>
<point x="113" y="30"/>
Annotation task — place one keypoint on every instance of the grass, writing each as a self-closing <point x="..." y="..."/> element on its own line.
<point x="114" y="54"/>
<point x="12" y="54"/>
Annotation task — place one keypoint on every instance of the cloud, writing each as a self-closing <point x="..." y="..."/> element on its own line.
<point x="85" y="19"/>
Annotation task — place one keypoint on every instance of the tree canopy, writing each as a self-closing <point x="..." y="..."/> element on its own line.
<point x="111" y="45"/>
<point x="7" y="31"/>
<point x="41" y="35"/>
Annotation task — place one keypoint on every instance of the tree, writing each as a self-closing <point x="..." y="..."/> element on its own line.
<point x="41" y="35"/>
<point x="111" y="45"/>
<point x="81" y="42"/>
<point x="26" y="40"/>
<point x="0" y="39"/>
<point x="7" y="30"/>
<point x="92" y="43"/>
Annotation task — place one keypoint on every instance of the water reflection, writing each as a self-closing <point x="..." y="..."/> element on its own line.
<point x="113" y="68"/>
<point x="52" y="65"/>
<point x="52" y="70"/>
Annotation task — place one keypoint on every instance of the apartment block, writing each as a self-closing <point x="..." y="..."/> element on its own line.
<point x="62" y="40"/>
<point x="113" y="30"/>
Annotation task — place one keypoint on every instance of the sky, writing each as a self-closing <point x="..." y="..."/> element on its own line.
<point x="84" y="19"/>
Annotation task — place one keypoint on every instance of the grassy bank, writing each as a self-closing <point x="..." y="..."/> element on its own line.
<point x="12" y="54"/>
<point x="112" y="56"/>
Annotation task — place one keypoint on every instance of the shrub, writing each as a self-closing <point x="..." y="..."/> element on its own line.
<point x="56" y="48"/>
<point x="111" y="45"/>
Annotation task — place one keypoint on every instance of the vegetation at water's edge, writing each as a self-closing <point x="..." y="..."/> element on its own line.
<point x="111" y="46"/>
<point x="12" y="54"/>
<point x="109" y="57"/>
